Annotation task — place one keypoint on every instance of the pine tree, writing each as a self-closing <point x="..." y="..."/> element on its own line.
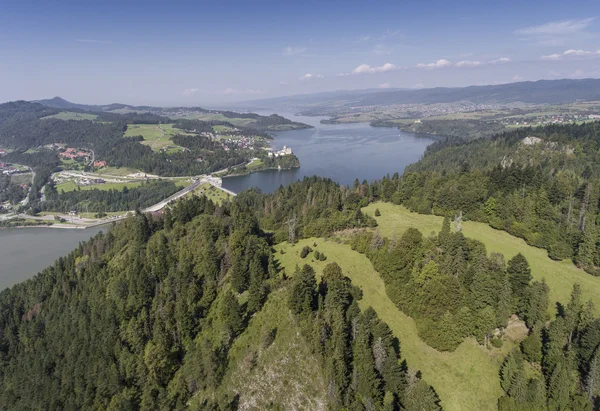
<point x="532" y="345"/>
<point x="559" y="387"/>
<point x="368" y="384"/>
<point x="587" y="248"/>
<point x="231" y="314"/>
<point x="419" y="396"/>
<point x="592" y="379"/>
<point x="504" y="308"/>
<point x="573" y="312"/>
<point x="534" y="308"/>
<point x="519" y="274"/>
<point x="449" y="336"/>
<point x="303" y="292"/>
<point x="536" y="395"/>
<point x="444" y="234"/>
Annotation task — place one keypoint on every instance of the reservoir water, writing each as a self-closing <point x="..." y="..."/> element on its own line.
<point x="26" y="251"/>
<point x="342" y="152"/>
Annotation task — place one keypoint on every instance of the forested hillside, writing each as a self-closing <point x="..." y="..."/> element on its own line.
<point x="541" y="184"/>
<point x="143" y="317"/>
<point x="146" y="315"/>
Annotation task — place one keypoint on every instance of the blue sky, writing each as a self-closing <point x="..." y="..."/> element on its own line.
<point x="184" y="53"/>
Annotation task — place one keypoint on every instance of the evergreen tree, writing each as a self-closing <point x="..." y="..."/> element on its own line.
<point x="519" y="274"/>
<point x="504" y="307"/>
<point x="559" y="387"/>
<point x="369" y="388"/>
<point x="303" y="291"/>
<point x="231" y="314"/>
<point x="420" y="397"/>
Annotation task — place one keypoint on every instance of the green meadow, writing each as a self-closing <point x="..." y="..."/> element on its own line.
<point x="157" y="136"/>
<point x="466" y="379"/>
<point x="71" y="115"/>
<point x="560" y="275"/>
<point x="70" y="186"/>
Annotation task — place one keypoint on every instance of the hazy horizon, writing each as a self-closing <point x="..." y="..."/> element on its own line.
<point x="142" y="53"/>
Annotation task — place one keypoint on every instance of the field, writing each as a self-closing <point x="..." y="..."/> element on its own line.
<point x="560" y="275"/>
<point x="212" y="192"/>
<point x="70" y="186"/>
<point x="70" y="115"/>
<point x="24" y="178"/>
<point x="466" y="379"/>
<point x="157" y="136"/>
<point x="254" y="164"/>
<point x="116" y="171"/>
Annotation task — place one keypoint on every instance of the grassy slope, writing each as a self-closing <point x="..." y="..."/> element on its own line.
<point x="466" y="379"/>
<point x="560" y="275"/>
<point x="70" y="186"/>
<point x="284" y="375"/>
<point x="157" y="136"/>
<point x="70" y="115"/>
<point x="210" y="191"/>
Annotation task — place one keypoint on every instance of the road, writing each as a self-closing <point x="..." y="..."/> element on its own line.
<point x="25" y="201"/>
<point x="160" y="205"/>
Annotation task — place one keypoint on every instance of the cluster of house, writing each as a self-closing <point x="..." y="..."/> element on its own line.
<point x="100" y="163"/>
<point x="244" y="142"/>
<point x="72" y="154"/>
<point x="2" y="152"/>
<point x="549" y="119"/>
<point x="285" y="151"/>
<point x="8" y="169"/>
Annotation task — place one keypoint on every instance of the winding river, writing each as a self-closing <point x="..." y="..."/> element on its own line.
<point x="342" y="152"/>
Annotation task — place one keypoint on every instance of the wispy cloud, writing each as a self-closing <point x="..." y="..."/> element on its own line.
<point x="293" y="50"/>
<point x="571" y="53"/>
<point x="233" y="91"/>
<point x="556" y="27"/>
<point x="310" y="76"/>
<point x="555" y="33"/>
<point x="501" y="60"/>
<point x="516" y="77"/>
<point x="469" y="63"/>
<point x="437" y="64"/>
<point x="190" y="91"/>
<point x="93" y="41"/>
<point x="384" y="85"/>
<point x="367" y="69"/>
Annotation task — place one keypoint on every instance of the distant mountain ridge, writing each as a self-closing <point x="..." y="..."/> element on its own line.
<point x="61" y="103"/>
<point x="532" y="92"/>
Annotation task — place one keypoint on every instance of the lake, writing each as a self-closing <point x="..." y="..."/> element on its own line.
<point x="342" y="152"/>
<point x="26" y="251"/>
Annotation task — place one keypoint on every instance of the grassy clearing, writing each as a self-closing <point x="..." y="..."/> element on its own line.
<point x="254" y="164"/>
<point x="116" y="171"/>
<point x="157" y="136"/>
<point x="222" y="129"/>
<point x="277" y="376"/>
<point x="71" y="115"/>
<point x="71" y="186"/>
<point x="24" y="178"/>
<point x="212" y="192"/>
<point x="560" y="275"/>
<point x="466" y="379"/>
